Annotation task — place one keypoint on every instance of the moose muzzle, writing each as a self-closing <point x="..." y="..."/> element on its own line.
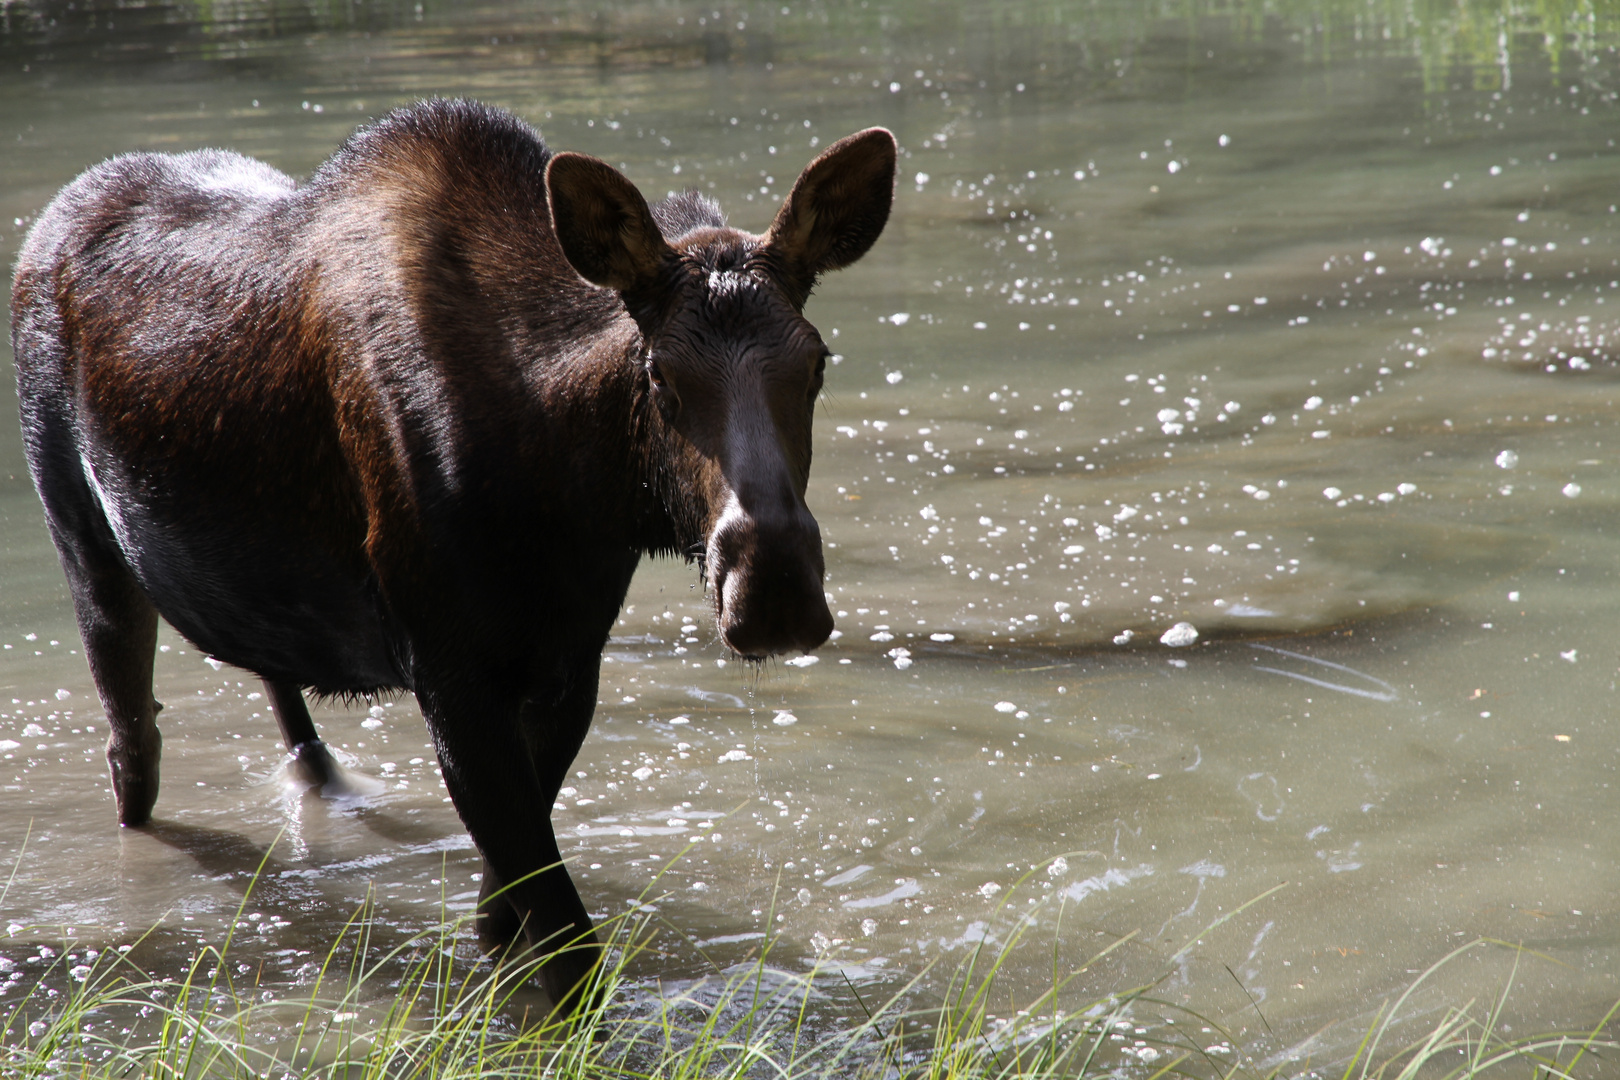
<point x="767" y="570"/>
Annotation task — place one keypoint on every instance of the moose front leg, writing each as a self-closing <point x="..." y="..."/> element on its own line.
<point x="506" y="805"/>
<point x="554" y="734"/>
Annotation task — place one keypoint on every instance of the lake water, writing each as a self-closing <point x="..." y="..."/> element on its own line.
<point x="1294" y="324"/>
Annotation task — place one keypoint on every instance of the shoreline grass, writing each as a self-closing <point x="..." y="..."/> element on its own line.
<point x="420" y="1010"/>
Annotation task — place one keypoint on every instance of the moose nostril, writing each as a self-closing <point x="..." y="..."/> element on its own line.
<point x="818" y="628"/>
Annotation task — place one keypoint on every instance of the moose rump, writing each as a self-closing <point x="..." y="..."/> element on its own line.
<point x="411" y="425"/>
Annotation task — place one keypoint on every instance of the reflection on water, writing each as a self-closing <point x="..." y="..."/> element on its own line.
<point x="1215" y="479"/>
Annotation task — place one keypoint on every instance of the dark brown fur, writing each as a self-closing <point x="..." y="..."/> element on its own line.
<point x="412" y="426"/>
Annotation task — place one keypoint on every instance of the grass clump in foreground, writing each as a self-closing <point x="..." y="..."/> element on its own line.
<point x="416" y="1011"/>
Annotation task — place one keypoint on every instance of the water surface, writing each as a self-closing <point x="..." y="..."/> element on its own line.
<point x="1294" y="325"/>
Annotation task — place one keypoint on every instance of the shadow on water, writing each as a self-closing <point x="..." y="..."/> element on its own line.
<point x="224" y="856"/>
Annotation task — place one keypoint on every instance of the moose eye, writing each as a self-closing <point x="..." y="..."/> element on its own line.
<point x="668" y="401"/>
<point x="815" y="378"/>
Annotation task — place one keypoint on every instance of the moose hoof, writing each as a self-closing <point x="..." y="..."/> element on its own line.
<point x="135" y="785"/>
<point x="313" y="764"/>
<point x="313" y="767"/>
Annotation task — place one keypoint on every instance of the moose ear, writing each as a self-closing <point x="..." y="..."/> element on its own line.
<point x="837" y="208"/>
<point x="602" y="223"/>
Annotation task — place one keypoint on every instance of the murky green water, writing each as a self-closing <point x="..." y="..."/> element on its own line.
<point x="1294" y="324"/>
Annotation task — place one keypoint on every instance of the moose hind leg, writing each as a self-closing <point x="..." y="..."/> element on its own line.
<point x="119" y="627"/>
<point x="313" y="763"/>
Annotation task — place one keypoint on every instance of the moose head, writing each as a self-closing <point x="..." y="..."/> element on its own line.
<point x="730" y="366"/>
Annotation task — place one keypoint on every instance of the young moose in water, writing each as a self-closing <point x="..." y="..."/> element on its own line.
<point x="412" y="425"/>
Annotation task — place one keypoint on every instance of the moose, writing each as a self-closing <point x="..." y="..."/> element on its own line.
<point x="411" y="425"/>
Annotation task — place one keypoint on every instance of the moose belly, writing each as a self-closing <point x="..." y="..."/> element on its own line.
<point x="249" y="590"/>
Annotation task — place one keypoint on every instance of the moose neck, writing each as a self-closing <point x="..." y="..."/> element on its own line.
<point x="644" y="468"/>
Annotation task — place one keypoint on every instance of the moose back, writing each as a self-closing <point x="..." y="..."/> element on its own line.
<point x="411" y="425"/>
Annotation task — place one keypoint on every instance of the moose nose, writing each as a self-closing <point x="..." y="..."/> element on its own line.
<point x="768" y="570"/>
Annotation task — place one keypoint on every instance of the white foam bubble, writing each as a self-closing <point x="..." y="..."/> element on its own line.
<point x="1183" y="633"/>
